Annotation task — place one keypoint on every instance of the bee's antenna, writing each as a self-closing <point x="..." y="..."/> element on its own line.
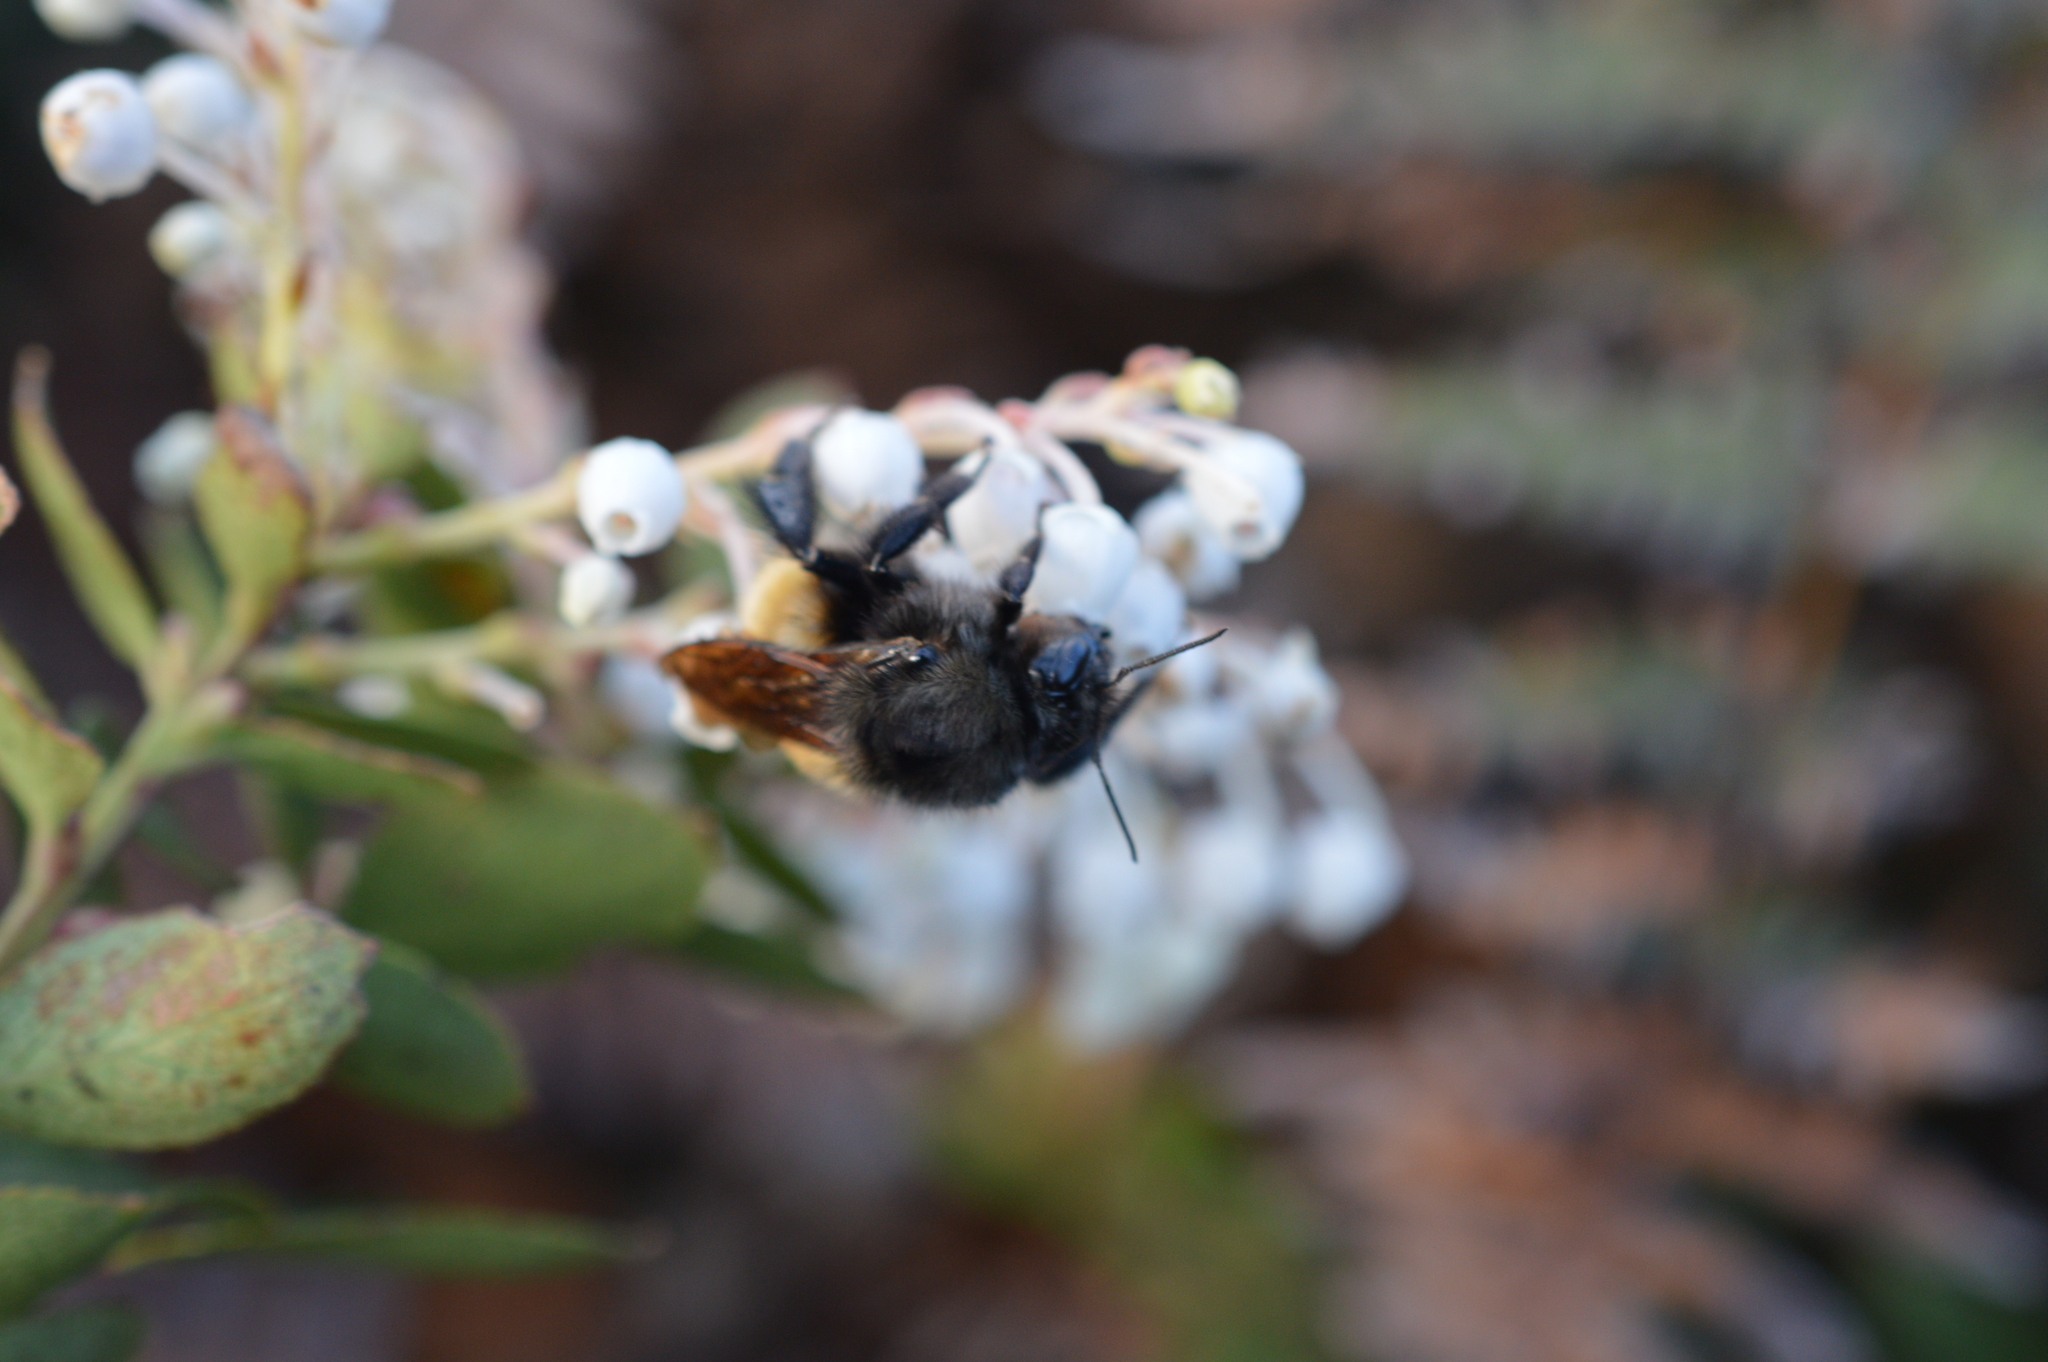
<point x="1116" y="808"/>
<point x="1169" y="653"/>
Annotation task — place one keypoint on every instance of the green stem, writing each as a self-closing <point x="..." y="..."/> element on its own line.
<point x="450" y="533"/>
<point x="168" y="736"/>
<point x="506" y="638"/>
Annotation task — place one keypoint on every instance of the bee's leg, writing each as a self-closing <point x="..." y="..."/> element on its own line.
<point x="1014" y="581"/>
<point x="903" y="528"/>
<point x="788" y="499"/>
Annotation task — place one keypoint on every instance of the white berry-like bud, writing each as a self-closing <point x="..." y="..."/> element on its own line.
<point x="1172" y="530"/>
<point x="867" y="464"/>
<point x="1249" y="489"/>
<point x="1204" y="387"/>
<point x="196" y="99"/>
<point x="87" y="21"/>
<point x="168" y="462"/>
<point x="1087" y="557"/>
<point x="341" y="23"/>
<point x="1349" y="873"/>
<point x="1149" y="616"/>
<point x="189" y="237"/>
<point x="99" y="133"/>
<point x="629" y="497"/>
<point x="596" y="589"/>
<point x="997" y="516"/>
<point x="377" y="695"/>
<point x="639" y="694"/>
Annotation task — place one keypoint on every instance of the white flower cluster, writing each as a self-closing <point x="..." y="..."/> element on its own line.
<point x="1249" y="810"/>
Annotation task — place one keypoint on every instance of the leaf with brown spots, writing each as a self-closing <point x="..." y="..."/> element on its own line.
<point x="174" y="1028"/>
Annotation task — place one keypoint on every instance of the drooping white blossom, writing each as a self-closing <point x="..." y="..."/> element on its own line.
<point x="189" y="237"/>
<point x="629" y="497"/>
<point x="341" y="23"/>
<point x="595" y="589"/>
<point x="99" y="134"/>
<point x="866" y="465"/>
<point x="1149" y="616"/>
<point x="1248" y="487"/>
<point x="1172" y="530"/>
<point x="1349" y="872"/>
<point x="87" y="21"/>
<point x="1087" y="556"/>
<point x="197" y="100"/>
<point x="995" y="518"/>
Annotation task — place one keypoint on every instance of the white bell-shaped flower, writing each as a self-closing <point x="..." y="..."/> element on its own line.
<point x="1349" y="873"/>
<point x="1226" y="868"/>
<point x="1151" y="614"/>
<point x="375" y="695"/>
<point x="99" y="133"/>
<point x="1292" y="698"/>
<point x="1172" y="530"/>
<point x="168" y="462"/>
<point x="341" y="23"/>
<point x="1086" y="559"/>
<point x="595" y="589"/>
<point x="87" y="21"/>
<point x="640" y="695"/>
<point x="629" y="497"/>
<point x="189" y="237"/>
<point x="197" y="100"/>
<point x="1249" y="489"/>
<point x="996" y="517"/>
<point x="866" y="464"/>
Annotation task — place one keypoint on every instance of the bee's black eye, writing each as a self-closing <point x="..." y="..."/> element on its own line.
<point x="925" y="656"/>
<point x="1062" y="663"/>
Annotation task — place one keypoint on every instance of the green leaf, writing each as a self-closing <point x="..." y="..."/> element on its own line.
<point x="106" y="582"/>
<point x="257" y="517"/>
<point x="91" y="1333"/>
<point x="433" y="1241"/>
<point x="539" y="870"/>
<point x="47" y="770"/>
<point x="183" y="570"/>
<point x="432" y="1046"/>
<point x="55" y="1233"/>
<point x="1923" y="1315"/>
<point x="10" y="501"/>
<point x="174" y="1028"/>
<point x="32" y="1163"/>
<point x="318" y="761"/>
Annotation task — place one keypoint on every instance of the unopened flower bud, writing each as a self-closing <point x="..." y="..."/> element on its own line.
<point x="1172" y="530"/>
<point x="168" y="462"/>
<point x="866" y="464"/>
<point x="341" y="23"/>
<point x="99" y="133"/>
<point x="1087" y="557"/>
<point x="189" y="237"/>
<point x="1349" y="873"/>
<point x="1249" y="489"/>
<point x="992" y="520"/>
<point x="629" y="497"/>
<point x="196" y="99"/>
<point x="376" y="695"/>
<point x="1149" y="616"/>
<point x="87" y="21"/>
<point x="1205" y="388"/>
<point x="596" y="589"/>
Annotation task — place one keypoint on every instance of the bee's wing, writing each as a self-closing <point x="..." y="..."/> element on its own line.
<point x="764" y="686"/>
